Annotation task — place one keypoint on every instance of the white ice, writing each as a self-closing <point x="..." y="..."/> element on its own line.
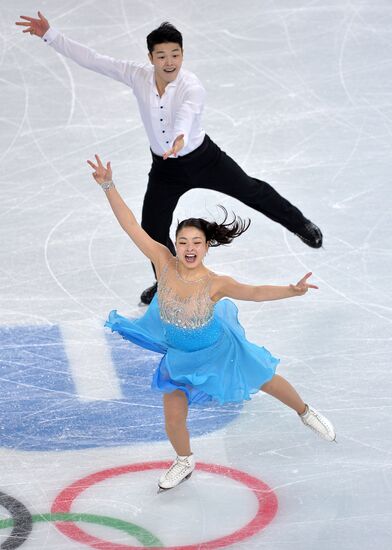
<point x="299" y="93"/>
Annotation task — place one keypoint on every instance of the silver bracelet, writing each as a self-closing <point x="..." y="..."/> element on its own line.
<point x="106" y="185"/>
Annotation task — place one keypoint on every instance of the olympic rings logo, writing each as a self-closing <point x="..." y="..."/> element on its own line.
<point x="22" y="521"/>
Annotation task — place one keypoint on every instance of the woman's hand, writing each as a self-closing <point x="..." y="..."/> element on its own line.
<point x="302" y="286"/>
<point x="156" y="252"/>
<point x="101" y="174"/>
<point x="38" y="27"/>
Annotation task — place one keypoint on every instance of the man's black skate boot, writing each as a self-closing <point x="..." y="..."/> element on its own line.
<point x="147" y="295"/>
<point x="310" y="234"/>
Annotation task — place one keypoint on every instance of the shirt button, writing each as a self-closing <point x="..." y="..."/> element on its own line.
<point x="163" y="131"/>
<point x="161" y="119"/>
<point x="167" y="142"/>
<point x="161" y="106"/>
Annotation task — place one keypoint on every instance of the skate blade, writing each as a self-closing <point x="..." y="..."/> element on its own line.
<point x="164" y="489"/>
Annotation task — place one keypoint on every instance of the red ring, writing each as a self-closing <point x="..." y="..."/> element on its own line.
<point x="268" y="506"/>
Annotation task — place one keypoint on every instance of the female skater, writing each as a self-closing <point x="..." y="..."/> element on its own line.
<point x="206" y="355"/>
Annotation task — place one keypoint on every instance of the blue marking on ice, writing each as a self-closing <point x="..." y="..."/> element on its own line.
<point x="41" y="411"/>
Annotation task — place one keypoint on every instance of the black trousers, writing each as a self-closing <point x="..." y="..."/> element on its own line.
<point x="207" y="167"/>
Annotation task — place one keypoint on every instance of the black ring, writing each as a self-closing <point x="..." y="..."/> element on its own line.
<point x="23" y="522"/>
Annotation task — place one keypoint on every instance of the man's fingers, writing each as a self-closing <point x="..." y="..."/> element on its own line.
<point x="177" y="146"/>
<point x="312" y="286"/>
<point x="167" y="154"/>
<point x="27" y="30"/>
<point x="22" y="24"/>
<point x="41" y="16"/>
<point x="31" y="19"/>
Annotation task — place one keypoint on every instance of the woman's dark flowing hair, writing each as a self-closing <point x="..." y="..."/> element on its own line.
<point x="217" y="233"/>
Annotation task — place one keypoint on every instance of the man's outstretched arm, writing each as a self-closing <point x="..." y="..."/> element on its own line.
<point x="81" y="54"/>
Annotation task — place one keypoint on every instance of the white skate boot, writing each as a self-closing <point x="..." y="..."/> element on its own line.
<point x="179" y="471"/>
<point x="318" y="423"/>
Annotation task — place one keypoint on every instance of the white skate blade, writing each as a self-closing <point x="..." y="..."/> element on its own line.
<point x="165" y="489"/>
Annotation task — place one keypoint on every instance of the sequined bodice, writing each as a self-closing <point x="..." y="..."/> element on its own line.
<point x="184" y="304"/>
<point x="186" y="310"/>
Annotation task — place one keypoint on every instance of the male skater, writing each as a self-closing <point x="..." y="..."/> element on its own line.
<point x="171" y="102"/>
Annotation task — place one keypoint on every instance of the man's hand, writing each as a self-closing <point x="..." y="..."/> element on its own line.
<point x="101" y="174"/>
<point x="178" y="144"/>
<point x="34" y="26"/>
<point x="302" y="286"/>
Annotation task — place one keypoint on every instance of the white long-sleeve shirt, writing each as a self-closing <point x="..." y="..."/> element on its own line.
<point x="178" y="111"/>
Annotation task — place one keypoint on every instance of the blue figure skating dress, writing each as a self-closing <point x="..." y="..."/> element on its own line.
<point x="205" y="351"/>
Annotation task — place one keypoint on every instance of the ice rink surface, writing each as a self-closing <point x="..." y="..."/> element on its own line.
<point x="299" y="93"/>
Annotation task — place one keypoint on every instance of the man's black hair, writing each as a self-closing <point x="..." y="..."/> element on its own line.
<point x="166" y="32"/>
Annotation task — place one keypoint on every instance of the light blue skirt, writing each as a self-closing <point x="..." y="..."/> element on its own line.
<point x="212" y="363"/>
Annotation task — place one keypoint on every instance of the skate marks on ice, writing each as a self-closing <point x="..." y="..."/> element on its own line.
<point x="299" y="96"/>
<point x="217" y="486"/>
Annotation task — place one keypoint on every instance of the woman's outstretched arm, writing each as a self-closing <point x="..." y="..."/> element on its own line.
<point x="156" y="252"/>
<point x="230" y="288"/>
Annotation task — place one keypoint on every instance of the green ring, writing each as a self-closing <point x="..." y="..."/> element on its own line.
<point x="141" y="535"/>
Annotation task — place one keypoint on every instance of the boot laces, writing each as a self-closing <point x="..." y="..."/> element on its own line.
<point x="177" y="469"/>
